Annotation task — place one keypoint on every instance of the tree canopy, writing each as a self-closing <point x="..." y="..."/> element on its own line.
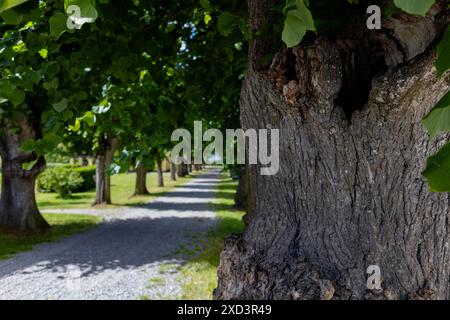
<point x="96" y="70"/>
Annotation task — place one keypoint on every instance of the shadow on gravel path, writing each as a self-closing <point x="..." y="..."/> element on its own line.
<point x="116" y="259"/>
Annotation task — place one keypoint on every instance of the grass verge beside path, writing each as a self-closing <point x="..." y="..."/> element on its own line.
<point x="199" y="275"/>
<point x="122" y="188"/>
<point x="62" y="225"/>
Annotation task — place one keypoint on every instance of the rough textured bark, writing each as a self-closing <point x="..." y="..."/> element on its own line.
<point x="349" y="192"/>
<point x="141" y="180"/>
<point x="173" y="172"/>
<point x="18" y="209"/>
<point x="160" y="173"/>
<point x="260" y="25"/>
<point x="102" y="179"/>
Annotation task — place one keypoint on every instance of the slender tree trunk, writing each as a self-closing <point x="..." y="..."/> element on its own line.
<point x="160" y="173"/>
<point x="182" y="170"/>
<point x="18" y="209"/>
<point x="349" y="193"/>
<point x="102" y="179"/>
<point x="141" y="180"/>
<point x="173" y="171"/>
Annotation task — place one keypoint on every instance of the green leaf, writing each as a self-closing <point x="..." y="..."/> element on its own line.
<point x="89" y="118"/>
<point x="207" y="18"/>
<point x="20" y="47"/>
<point x="390" y="9"/>
<point x="170" y="72"/>
<point x="42" y="146"/>
<point x="206" y="5"/>
<point x="51" y="85"/>
<point x="11" y="17"/>
<point x="51" y="141"/>
<point x="11" y="93"/>
<point x="437" y="171"/>
<point x="293" y="31"/>
<point x="43" y="53"/>
<point x="28" y="145"/>
<point x="61" y="106"/>
<point x="226" y="23"/>
<point x="298" y="21"/>
<point x="18" y="98"/>
<point x="443" y="60"/>
<point x="29" y="165"/>
<point x="8" y="4"/>
<point x="76" y="126"/>
<point x="438" y="120"/>
<point x="58" y="24"/>
<point x="418" y="7"/>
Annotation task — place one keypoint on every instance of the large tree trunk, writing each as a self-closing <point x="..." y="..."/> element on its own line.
<point x="18" y="209"/>
<point x="173" y="172"/>
<point x="349" y="192"/>
<point x="141" y="180"/>
<point x="160" y="173"/>
<point x="102" y="179"/>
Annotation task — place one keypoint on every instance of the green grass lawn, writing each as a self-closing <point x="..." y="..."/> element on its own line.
<point x="122" y="188"/>
<point x="199" y="275"/>
<point x="62" y="225"/>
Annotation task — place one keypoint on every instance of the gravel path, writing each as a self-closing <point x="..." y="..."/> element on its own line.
<point x="119" y="258"/>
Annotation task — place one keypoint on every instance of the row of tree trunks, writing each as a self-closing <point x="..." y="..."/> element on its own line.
<point x="349" y="193"/>
<point x="105" y="155"/>
<point x="82" y="161"/>
<point x="182" y="170"/>
<point x="141" y="173"/>
<point x="18" y="209"/>
<point x="141" y="177"/>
